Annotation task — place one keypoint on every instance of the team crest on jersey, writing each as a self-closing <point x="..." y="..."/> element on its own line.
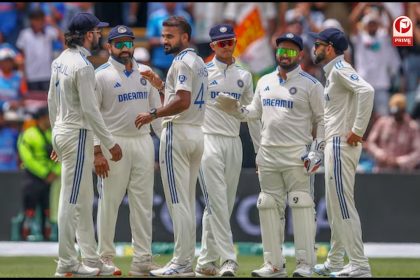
<point x="240" y="83"/>
<point x="292" y="90"/>
<point x="143" y="81"/>
<point x="354" y="77"/>
<point x="182" y="78"/>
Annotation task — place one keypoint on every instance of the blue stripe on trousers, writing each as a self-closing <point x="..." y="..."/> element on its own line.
<point x="78" y="172"/>
<point x="338" y="178"/>
<point x="169" y="163"/>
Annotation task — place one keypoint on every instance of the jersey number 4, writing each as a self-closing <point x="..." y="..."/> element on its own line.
<point x="199" y="100"/>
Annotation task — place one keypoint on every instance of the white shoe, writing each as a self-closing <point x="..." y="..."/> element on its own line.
<point x="268" y="270"/>
<point x="104" y="269"/>
<point x="109" y="261"/>
<point x="229" y="268"/>
<point x="324" y="269"/>
<point x="174" y="270"/>
<point x="143" y="266"/>
<point x="78" y="270"/>
<point x="207" y="270"/>
<point x="303" y="270"/>
<point x="352" y="271"/>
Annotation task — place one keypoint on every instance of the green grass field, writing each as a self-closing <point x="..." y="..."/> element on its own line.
<point x="45" y="266"/>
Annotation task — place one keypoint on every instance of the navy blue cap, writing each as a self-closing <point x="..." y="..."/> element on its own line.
<point x="291" y="38"/>
<point x="120" y="31"/>
<point x="85" y="22"/>
<point x="333" y="36"/>
<point x="221" y="32"/>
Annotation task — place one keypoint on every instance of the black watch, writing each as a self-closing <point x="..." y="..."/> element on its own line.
<point x="153" y="113"/>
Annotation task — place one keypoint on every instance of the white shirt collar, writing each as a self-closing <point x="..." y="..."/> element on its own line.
<point x="328" y="67"/>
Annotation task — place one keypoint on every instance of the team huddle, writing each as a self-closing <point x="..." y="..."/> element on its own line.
<point x="103" y="119"/>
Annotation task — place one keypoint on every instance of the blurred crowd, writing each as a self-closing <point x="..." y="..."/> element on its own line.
<point x="32" y="35"/>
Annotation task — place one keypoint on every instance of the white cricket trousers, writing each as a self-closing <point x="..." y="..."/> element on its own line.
<point x="280" y="171"/>
<point x="75" y="219"/>
<point x="219" y="176"/>
<point x="341" y="161"/>
<point x="181" y="148"/>
<point x="134" y="175"/>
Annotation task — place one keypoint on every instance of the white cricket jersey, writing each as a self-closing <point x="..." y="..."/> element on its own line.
<point x="122" y="95"/>
<point x="188" y="72"/>
<point x="348" y="100"/>
<point x="289" y="109"/>
<point x="237" y="82"/>
<point x="71" y="98"/>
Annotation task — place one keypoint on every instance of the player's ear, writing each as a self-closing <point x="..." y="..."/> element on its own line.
<point x="108" y="47"/>
<point x="212" y="46"/>
<point x="301" y="54"/>
<point x="185" y="37"/>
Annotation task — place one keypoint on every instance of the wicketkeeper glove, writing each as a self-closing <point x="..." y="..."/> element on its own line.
<point x="230" y="105"/>
<point x="312" y="160"/>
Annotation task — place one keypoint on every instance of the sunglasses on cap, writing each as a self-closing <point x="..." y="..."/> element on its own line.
<point x="318" y="43"/>
<point x="223" y="43"/>
<point x="288" y="52"/>
<point x="120" y="45"/>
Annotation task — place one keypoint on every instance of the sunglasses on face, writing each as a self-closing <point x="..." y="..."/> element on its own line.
<point x="222" y="44"/>
<point x="120" y="45"/>
<point x="288" y="52"/>
<point x="317" y="44"/>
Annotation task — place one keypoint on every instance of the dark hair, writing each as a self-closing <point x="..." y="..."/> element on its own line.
<point x="179" y="22"/>
<point x="36" y="14"/>
<point x="338" y="52"/>
<point x="43" y="111"/>
<point x="74" y="38"/>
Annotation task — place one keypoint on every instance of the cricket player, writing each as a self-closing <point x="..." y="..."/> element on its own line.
<point x="181" y="144"/>
<point x="122" y="92"/>
<point x="290" y="104"/>
<point x="74" y="114"/>
<point x="348" y="107"/>
<point x="222" y="158"/>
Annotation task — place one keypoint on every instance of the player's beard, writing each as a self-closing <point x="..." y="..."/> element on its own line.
<point x="319" y="57"/>
<point x="172" y="50"/>
<point x="123" y="60"/>
<point x="290" y="66"/>
<point x="126" y="59"/>
<point x="95" y="45"/>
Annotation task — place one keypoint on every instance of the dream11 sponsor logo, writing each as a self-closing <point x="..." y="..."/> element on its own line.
<point x="402" y="32"/>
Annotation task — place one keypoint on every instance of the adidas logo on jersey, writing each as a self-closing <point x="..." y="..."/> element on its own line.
<point x="214" y="82"/>
<point x="267" y="88"/>
<point x="117" y="85"/>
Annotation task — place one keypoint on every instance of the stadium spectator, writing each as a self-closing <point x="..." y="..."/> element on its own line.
<point x="394" y="140"/>
<point x="36" y="43"/>
<point x="35" y="147"/>
<point x="8" y="141"/>
<point x="411" y="55"/>
<point x="12" y="84"/>
<point x="376" y="60"/>
<point x="11" y="20"/>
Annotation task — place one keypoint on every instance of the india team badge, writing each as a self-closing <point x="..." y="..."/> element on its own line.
<point x="402" y="32"/>
<point x="354" y="77"/>
<point x="121" y="29"/>
<point x="292" y="90"/>
<point x="143" y="81"/>
<point x="182" y="78"/>
<point x="240" y="83"/>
